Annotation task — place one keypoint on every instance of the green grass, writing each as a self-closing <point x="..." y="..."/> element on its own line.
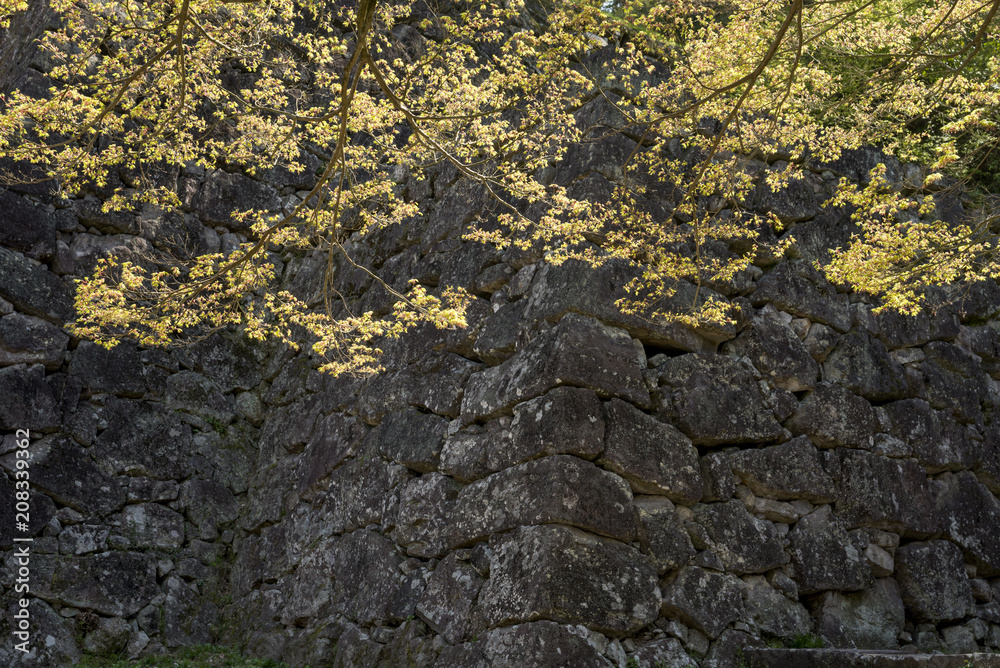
<point x="199" y="656"/>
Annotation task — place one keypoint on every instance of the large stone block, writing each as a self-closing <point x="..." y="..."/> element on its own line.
<point x="559" y="489"/>
<point x="63" y="470"/>
<point x="224" y="194"/>
<point x="541" y="643"/>
<point x="832" y="416"/>
<point x="208" y="505"/>
<point x="936" y="441"/>
<point x="714" y="400"/>
<point x="565" y="575"/>
<point x="411" y="438"/>
<point x="933" y="581"/>
<point x="655" y="458"/>
<point x="367" y="577"/>
<point x="576" y="287"/>
<point x="26" y="227"/>
<point x="117" y="584"/>
<point x="33" y="289"/>
<point x="151" y="525"/>
<point x="772" y="611"/>
<point x="744" y="543"/>
<point x="424" y="518"/>
<point x="26" y="400"/>
<point x="579" y="351"/>
<point x="870" y="619"/>
<point x="116" y="371"/>
<point x="799" y="289"/>
<point x="25" y="339"/>
<point x="193" y="393"/>
<point x="824" y="556"/>
<point x="143" y="438"/>
<point x="861" y="364"/>
<point x="882" y="493"/>
<point x="566" y="420"/>
<point x="337" y="437"/>
<point x="435" y="384"/>
<point x="447" y="603"/>
<point x="662" y="534"/>
<point x="955" y="381"/>
<point x="232" y="363"/>
<point x="706" y="600"/>
<point x="970" y="516"/>
<point x="774" y="350"/>
<point x="785" y="472"/>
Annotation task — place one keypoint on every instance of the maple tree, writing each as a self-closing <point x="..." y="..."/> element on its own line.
<point x="717" y="95"/>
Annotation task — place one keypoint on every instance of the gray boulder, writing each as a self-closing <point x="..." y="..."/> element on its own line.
<point x="832" y="416"/>
<point x="933" y="581"/>
<point x="223" y="194"/>
<point x="703" y="599"/>
<point x="714" y="399"/>
<point x="563" y="574"/>
<point x="566" y="420"/>
<point x="870" y="619"/>
<point x="25" y="339"/>
<point x="785" y="472"/>
<point x="744" y="543"/>
<point x="33" y="289"/>
<point x="662" y="534"/>
<point x="117" y="584"/>
<point x="861" y="364"/>
<point x="772" y="611"/>
<point x="578" y="351"/>
<point x="882" y="493"/>
<point x="655" y="458"/>
<point x="824" y="556"/>
<point x="774" y="349"/>
<point x="26" y="400"/>
<point x="799" y="289"/>
<point x="558" y="489"/>
<point x="447" y="603"/>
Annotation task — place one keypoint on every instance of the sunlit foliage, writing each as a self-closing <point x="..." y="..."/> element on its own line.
<point x="712" y="92"/>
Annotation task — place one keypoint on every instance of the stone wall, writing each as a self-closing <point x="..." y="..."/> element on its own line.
<point x="557" y="485"/>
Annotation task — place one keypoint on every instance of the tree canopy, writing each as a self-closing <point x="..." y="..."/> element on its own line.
<point x="717" y="95"/>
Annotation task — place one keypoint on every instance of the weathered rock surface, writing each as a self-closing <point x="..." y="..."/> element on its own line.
<point x="882" y="493"/>
<point x="825" y="557"/>
<point x="64" y="470"/>
<point x="772" y="611"/>
<point x="792" y="470"/>
<point x="25" y="339"/>
<point x="578" y="351"/>
<point x="560" y="573"/>
<point x="832" y="416"/>
<point x="33" y="289"/>
<point x="774" y="350"/>
<point x="566" y="420"/>
<point x="970" y="515"/>
<point x="655" y="458"/>
<point x="861" y="364"/>
<point x="933" y="582"/>
<point x="26" y="400"/>
<point x="559" y="489"/>
<point x="744" y="543"/>
<point x="447" y="603"/>
<point x="871" y="619"/>
<point x="704" y="599"/>
<point x="714" y="400"/>
<point x="111" y="583"/>
<point x="799" y="289"/>
<point x="662" y="534"/>
<point x="423" y="525"/>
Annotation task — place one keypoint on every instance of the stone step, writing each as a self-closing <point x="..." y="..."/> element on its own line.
<point x="859" y="658"/>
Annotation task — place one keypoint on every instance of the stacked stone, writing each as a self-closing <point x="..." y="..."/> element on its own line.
<point x="558" y="484"/>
